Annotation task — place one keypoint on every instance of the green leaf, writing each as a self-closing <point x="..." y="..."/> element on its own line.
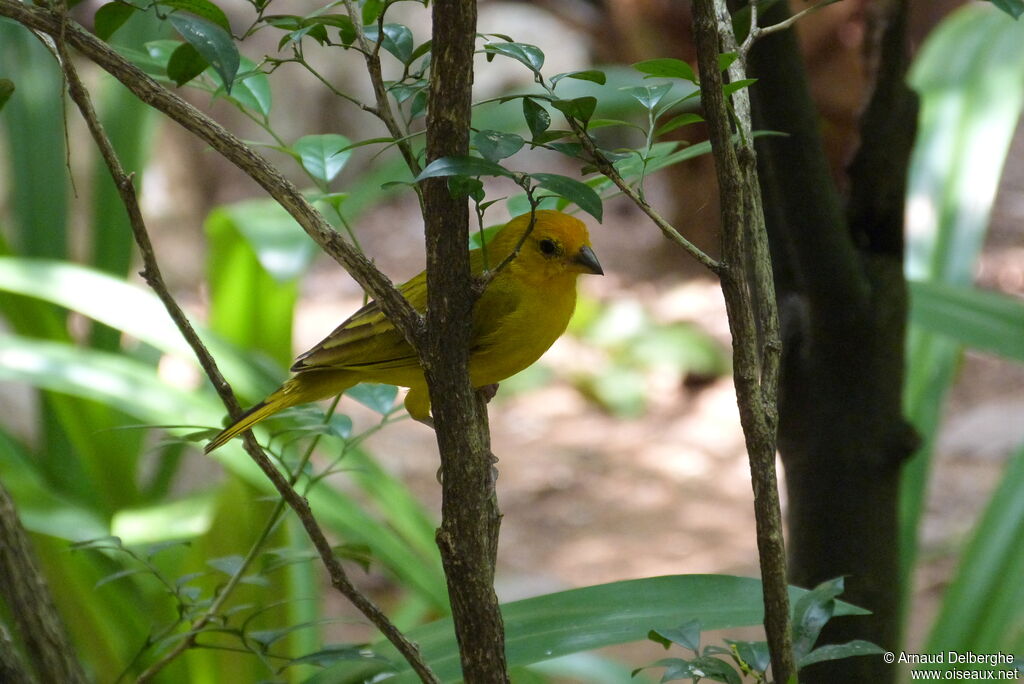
<point x="666" y="67"/>
<point x="1014" y="8"/>
<point x="984" y="320"/>
<point x="726" y="59"/>
<point x="649" y="96"/>
<point x="580" y="108"/>
<point x="584" y="619"/>
<point x="111" y="17"/>
<point x="6" y="90"/>
<point x="398" y="40"/>
<point x="466" y="186"/>
<point x="380" y="398"/>
<point x="462" y="166"/>
<point x="185" y="64"/>
<point x="592" y="75"/>
<point x="372" y="10"/>
<point x="982" y="610"/>
<point x="201" y="8"/>
<point x="857" y="647"/>
<point x="811" y="612"/>
<point x="730" y="88"/>
<point x="212" y="42"/>
<point x="529" y="55"/>
<point x="251" y="88"/>
<point x="686" y="635"/>
<point x="320" y="155"/>
<point x="229" y="565"/>
<point x="573" y="190"/>
<point x="495" y="145"/>
<point x="678" y="122"/>
<point x="537" y="118"/>
<point x="754" y="653"/>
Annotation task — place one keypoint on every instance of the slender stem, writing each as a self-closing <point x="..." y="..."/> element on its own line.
<point x="667" y="229"/>
<point x="750" y="303"/>
<point x="383" y="110"/>
<point x="151" y="273"/>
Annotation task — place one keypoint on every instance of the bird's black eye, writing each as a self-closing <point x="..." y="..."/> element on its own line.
<point x="548" y="246"/>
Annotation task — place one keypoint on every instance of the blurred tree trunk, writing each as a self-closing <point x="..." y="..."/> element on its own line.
<point x="838" y="258"/>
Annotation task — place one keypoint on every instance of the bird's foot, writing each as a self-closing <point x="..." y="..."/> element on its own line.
<point x="488" y="391"/>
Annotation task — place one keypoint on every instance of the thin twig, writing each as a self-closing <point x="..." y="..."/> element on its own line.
<point x="750" y="302"/>
<point x="383" y="110"/>
<point x="605" y="166"/>
<point x="757" y="32"/>
<point x="151" y="274"/>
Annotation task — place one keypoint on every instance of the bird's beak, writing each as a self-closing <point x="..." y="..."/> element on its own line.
<point x="588" y="260"/>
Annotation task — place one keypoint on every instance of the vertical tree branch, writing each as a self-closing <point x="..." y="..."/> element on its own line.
<point x="750" y="301"/>
<point x="24" y="590"/>
<point x="468" y="536"/>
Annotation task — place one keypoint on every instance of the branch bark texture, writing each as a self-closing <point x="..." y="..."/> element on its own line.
<point x="468" y="536"/>
<point x="24" y="590"/>
<point x="750" y="301"/>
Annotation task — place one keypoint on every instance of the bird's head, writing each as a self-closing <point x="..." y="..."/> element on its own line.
<point x="558" y="245"/>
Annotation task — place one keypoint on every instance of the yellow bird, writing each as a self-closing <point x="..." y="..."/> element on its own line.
<point x="521" y="312"/>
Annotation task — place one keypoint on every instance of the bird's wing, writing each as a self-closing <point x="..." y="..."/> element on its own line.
<point x="492" y="312"/>
<point x="367" y="340"/>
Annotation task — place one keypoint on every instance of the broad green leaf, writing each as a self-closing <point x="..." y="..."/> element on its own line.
<point x="115" y="380"/>
<point x="185" y="64"/>
<point x="184" y="518"/>
<point x="251" y="88"/>
<point x="380" y="398"/>
<point x="592" y="75"/>
<point x="970" y="78"/>
<point x="122" y="306"/>
<point x="6" y="90"/>
<point x="495" y="145"/>
<point x="573" y="190"/>
<point x="255" y="255"/>
<point x="466" y="186"/>
<point x="111" y="17"/>
<point x="1014" y="8"/>
<point x="678" y="122"/>
<point x="584" y="619"/>
<point x="857" y="647"/>
<point x="666" y="67"/>
<point x="372" y="10"/>
<point x="42" y="507"/>
<point x="726" y="59"/>
<point x="212" y="42"/>
<point x="397" y="40"/>
<point x="686" y="635"/>
<point x="529" y="55"/>
<point x="811" y="612"/>
<point x="462" y="166"/>
<point x="988" y="321"/>
<point x="201" y="8"/>
<point x="649" y="96"/>
<point x="321" y="155"/>
<point x="537" y="118"/>
<point x="984" y="604"/>
<point x="581" y="108"/>
<point x="730" y="88"/>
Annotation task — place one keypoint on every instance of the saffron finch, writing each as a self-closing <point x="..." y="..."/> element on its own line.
<point x="523" y="309"/>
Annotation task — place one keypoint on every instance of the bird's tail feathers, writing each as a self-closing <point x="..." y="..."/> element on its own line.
<point x="292" y="393"/>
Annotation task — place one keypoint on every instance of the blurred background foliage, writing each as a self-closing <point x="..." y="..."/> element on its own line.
<point x="102" y="403"/>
